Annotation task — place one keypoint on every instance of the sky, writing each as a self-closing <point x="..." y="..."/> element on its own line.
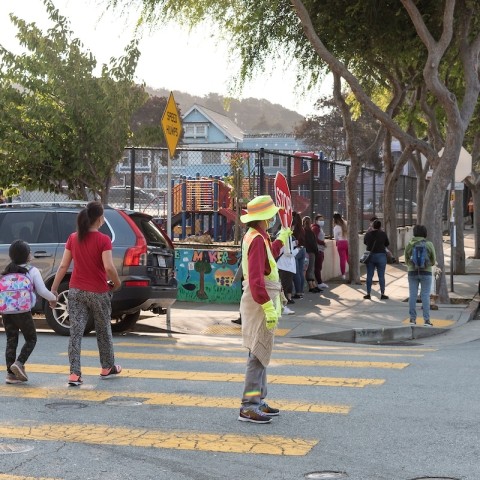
<point x="171" y="57"/>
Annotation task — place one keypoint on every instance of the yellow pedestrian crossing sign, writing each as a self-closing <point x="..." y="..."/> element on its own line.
<point x="171" y="124"/>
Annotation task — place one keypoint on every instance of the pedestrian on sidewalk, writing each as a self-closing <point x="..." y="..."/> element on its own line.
<point x="377" y="242"/>
<point x="419" y="272"/>
<point x="89" y="292"/>
<point x="317" y="229"/>
<point x="340" y="235"/>
<point x="470" y="209"/>
<point x="260" y="305"/>
<point x="286" y="269"/>
<point x="299" y="234"/>
<point x="14" y="323"/>
<point x="312" y="250"/>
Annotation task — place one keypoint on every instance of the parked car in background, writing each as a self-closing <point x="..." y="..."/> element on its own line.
<point x="120" y="195"/>
<point x="143" y="255"/>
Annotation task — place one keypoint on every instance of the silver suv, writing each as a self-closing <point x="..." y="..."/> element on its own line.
<point x="142" y="253"/>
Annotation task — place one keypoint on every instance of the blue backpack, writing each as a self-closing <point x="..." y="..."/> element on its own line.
<point x="419" y="257"/>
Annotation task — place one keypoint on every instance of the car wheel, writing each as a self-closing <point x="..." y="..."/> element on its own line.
<point x="124" y="322"/>
<point x="58" y="317"/>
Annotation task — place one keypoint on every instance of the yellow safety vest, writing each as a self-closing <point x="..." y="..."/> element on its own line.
<point x="247" y="240"/>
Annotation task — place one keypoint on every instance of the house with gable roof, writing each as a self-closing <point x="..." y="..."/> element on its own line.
<point x="209" y="130"/>
<point x="205" y="128"/>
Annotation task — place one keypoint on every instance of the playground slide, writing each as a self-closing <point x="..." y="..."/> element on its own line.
<point x="300" y="203"/>
<point x="176" y="219"/>
<point x="228" y="213"/>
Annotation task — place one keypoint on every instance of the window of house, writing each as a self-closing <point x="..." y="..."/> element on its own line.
<point x="196" y="130"/>
<point x="211" y="157"/>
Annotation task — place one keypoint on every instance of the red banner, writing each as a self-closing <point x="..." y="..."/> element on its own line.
<point x="283" y="199"/>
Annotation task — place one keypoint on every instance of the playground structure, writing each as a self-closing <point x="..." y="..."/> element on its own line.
<point x="203" y="205"/>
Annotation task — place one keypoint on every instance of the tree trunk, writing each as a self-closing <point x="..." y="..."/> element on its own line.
<point x="350" y="182"/>
<point x="433" y="204"/>
<point x="459" y="263"/>
<point x="389" y="210"/>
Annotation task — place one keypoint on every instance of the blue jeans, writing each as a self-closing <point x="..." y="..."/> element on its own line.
<point x="424" y="279"/>
<point x="299" y="277"/>
<point x="376" y="261"/>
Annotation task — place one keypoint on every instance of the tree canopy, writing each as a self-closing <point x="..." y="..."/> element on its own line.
<point x="429" y="48"/>
<point x="62" y="128"/>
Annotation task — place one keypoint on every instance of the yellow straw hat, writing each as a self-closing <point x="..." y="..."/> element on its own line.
<point x="260" y="208"/>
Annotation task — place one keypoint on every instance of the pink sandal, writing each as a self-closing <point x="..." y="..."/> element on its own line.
<point x="109" y="372"/>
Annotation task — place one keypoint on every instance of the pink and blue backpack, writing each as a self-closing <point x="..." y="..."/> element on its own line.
<point x="16" y="293"/>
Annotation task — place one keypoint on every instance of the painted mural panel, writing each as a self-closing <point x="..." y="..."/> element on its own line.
<point x="207" y="275"/>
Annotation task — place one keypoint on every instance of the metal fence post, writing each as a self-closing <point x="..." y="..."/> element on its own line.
<point x="132" y="178"/>
<point x="261" y="172"/>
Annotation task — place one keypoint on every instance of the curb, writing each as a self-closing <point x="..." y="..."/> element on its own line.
<point x="395" y="334"/>
<point x="378" y="335"/>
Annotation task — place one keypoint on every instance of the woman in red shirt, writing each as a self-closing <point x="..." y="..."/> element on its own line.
<point x="89" y="293"/>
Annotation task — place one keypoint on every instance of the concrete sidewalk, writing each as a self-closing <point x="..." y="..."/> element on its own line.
<point x="340" y="313"/>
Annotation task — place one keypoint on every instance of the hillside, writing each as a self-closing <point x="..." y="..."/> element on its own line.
<point x="252" y="115"/>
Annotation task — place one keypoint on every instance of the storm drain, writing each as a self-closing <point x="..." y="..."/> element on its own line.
<point x="6" y="448"/>
<point x="124" y="402"/>
<point x="66" y="405"/>
<point x="435" y="478"/>
<point x="326" y="475"/>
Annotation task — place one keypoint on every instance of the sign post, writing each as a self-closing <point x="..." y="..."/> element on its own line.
<point x="283" y="199"/>
<point x="172" y="127"/>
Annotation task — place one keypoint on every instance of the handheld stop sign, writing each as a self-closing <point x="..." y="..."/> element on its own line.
<point x="283" y="200"/>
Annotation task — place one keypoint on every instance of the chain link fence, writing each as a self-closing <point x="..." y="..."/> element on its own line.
<point x="210" y="187"/>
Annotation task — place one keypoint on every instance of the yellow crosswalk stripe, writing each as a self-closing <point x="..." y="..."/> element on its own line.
<point x="307" y="350"/>
<point x="217" y="377"/>
<point x="9" y="476"/>
<point x="174" y="399"/>
<point x="149" y="438"/>
<point x="275" y="361"/>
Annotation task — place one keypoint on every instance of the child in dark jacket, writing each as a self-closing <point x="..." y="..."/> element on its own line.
<point x="14" y="323"/>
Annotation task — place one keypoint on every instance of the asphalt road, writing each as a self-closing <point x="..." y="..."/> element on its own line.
<point x="359" y="412"/>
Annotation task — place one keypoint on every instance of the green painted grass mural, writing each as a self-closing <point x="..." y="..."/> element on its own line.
<point x="207" y="275"/>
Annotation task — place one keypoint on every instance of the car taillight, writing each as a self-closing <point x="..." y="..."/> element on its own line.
<point x="137" y="255"/>
<point x="136" y="283"/>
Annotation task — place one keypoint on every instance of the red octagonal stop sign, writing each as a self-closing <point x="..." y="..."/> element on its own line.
<point x="283" y="199"/>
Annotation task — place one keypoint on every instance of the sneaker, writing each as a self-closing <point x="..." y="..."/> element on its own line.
<point x="287" y="311"/>
<point x="269" y="411"/>
<point x="254" y="415"/>
<point x="290" y="302"/>
<point x="237" y="321"/>
<point x="427" y="323"/>
<point x="367" y="296"/>
<point x="384" y="297"/>
<point x="19" y="371"/>
<point x="344" y="277"/>
<point x="413" y="322"/>
<point x="297" y="296"/>
<point x="109" y="372"/>
<point x="322" y="285"/>
<point x="74" y="380"/>
<point x="12" y="379"/>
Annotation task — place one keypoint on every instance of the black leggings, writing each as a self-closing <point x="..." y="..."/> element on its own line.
<point x="19" y="322"/>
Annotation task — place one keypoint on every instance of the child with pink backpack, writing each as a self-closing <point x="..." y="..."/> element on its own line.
<point x="18" y="284"/>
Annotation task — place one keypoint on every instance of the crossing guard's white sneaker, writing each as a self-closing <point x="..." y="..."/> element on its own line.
<point x="287" y="311"/>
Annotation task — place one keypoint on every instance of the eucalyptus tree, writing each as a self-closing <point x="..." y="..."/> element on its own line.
<point x="62" y="127"/>
<point x="430" y="39"/>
